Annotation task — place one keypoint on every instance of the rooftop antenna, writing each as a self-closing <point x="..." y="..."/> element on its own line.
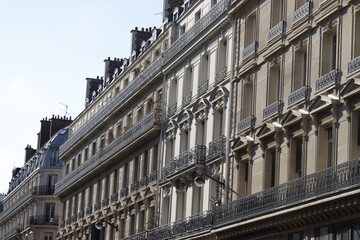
<point x="66" y="113"/>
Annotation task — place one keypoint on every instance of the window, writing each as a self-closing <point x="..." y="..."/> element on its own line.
<point x="129" y="120"/>
<point x="357" y="35"/>
<point x="244" y="178"/>
<point x="197" y="200"/>
<point x="79" y="159"/>
<point x="106" y="186"/>
<point x="188" y="84"/>
<point x="125" y="175"/>
<point x="247" y="101"/>
<point x="141" y="225"/>
<point x="155" y="158"/>
<point x="322" y="233"/>
<point x="49" y="212"/>
<point x="325" y="158"/>
<point x="48" y="236"/>
<point x="116" y="179"/>
<point x="165" y="213"/>
<point x="276" y="12"/>
<point x="119" y="129"/>
<point x="136" y="169"/>
<point x="98" y="191"/>
<point x="73" y="164"/>
<point x="250" y="26"/>
<point x="222" y="54"/>
<point x="182" y="30"/>
<point x="296" y="158"/>
<point x="200" y="133"/>
<point x="213" y="2"/>
<point x="300" y="68"/>
<point x="102" y="142"/>
<point x="274" y="83"/>
<point x="218" y="123"/>
<point x="86" y="155"/>
<point x="169" y="150"/>
<point x="90" y="195"/>
<point x="270" y="168"/>
<point x="329" y="146"/>
<point x="299" y="3"/>
<point x="145" y="164"/>
<point x="52" y="180"/>
<point x="54" y="158"/>
<point x="173" y="92"/>
<point x="329" y="42"/>
<point x="355" y="135"/>
<point x="110" y="136"/>
<point x="67" y="170"/>
<point x="184" y="144"/>
<point x="180" y="205"/>
<point x="93" y="148"/>
<point x="132" y="224"/>
<point x="296" y="236"/>
<point x="197" y="16"/>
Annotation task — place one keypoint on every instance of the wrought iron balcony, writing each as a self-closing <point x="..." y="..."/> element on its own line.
<point x="301" y="12"/>
<point x="81" y="214"/>
<point x="299" y="95"/>
<point x="68" y="221"/>
<point x="328" y="80"/>
<point x="172" y="110"/>
<point x="139" y="236"/>
<point x="216" y="148"/>
<point x="203" y="88"/>
<point x="73" y="219"/>
<point x="246" y="123"/>
<point x="134" y="186"/>
<point x="196" y="223"/>
<point x="14" y="231"/>
<point x="153" y="176"/>
<point x="88" y="210"/>
<point x="143" y="182"/>
<point x="124" y="192"/>
<point x="133" y="133"/>
<point x="249" y="50"/>
<point x="322" y="2"/>
<point x="183" y="161"/>
<point x="186" y="99"/>
<point x="277" y="30"/>
<point x="97" y="206"/>
<point x="208" y="19"/>
<point x="43" y="220"/>
<point x="354" y="65"/>
<point x="114" y="104"/>
<point x="43" y="190"/>
<point x="317" y="185"/>
<point x="221" y="75"/>
<point x="273" y="109"/>
<point x="105" y="202"/>
<point x="114" y="197"/>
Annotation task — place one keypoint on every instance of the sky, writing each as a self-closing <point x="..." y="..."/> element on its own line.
<point x="47" y="49"/>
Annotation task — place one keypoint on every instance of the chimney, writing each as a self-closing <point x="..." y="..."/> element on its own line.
<point x="92" y="84"/>
<point x="44" y="134"/>
<point x="29" y="153"/>
<point x="169" y="6"/>
<point x="110" y="66"/>
<point x="57" y="123"/>
<point x="15" y="171"/>
<point x="137" y="37"/>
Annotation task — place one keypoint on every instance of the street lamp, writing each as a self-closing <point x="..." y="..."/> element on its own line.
<point x="199" y="181"/>
<point x="98" y="225"/>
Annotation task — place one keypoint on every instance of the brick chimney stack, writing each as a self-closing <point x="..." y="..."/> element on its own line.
<point x="29" y="153"/>
<point x="49" y="127"/>
<point x="138" y="36"/>
<point x="111" y="65"/>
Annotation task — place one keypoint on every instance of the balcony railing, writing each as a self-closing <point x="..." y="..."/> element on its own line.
<point x="299" y="95"/>
<point x="139" y="236"/>
<point x="246" y="123"/>
<point x="43" y="220"/>
<point x="124" y="192"/>
<point x="14" y="231"/>
<point x="172" y="110"/>
<point x="322" y="2"/>
<point x="114" y="197"/>
<point x="136" y="131"/>
<point x="216" y="148"/>
<point x="301" y="13"/>
<point x="105" y="202"/>
<point x="186" y="99"/>
<point x="328" y="80"/>
<point x="316" y="185"/>
<point x="221" y="75"/>
<point x="134" y="186"/>
<point x="208" y="19"/>
<point x="81" y="214"/>
<point x="354" y="65"/>
<point x="203" y="88"/>
<point x="97" y="206"/>
<point x="153" y="177"/>
<point x="88" y="211"/>
<point x="276" y="31"/>
<point x="196" y="223"/>
<point x="273" y="109"/>
<point x="111" y="107"/>
<point x="73" y="219"/>
<point x="143" y="182"/>
<point x="185" y="160"/>
<point x="43" y="190"/>
<point x="249" y="50"/>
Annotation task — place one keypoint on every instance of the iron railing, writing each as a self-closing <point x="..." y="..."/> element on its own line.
<point x="43" y="220"/>
<point x="354" y="65"/>
<point x="209" y="18"/>
<point x="328" y="80"/>
<point x="322" y="2"/>
<point x="186" y="99"/>
<point x="299" y="95"/>
<point x="316" y="185"/>
<point x="277" y="30"/>
<point x="143" y="182"/>
<point x="246" y="123"/>
<point x="221" y="75"/>
<point x="139" y="236"/>
<point x="153" y="176"/>
<point x="172" y="110"/>
<point x="301" y="12"/>
<point x="111" y="107"/>
<point x="185" y="160"/>
<point x="124" y="192"/>
<point x="105" y="202"/>
<point x="133" y="133"/>
<point x="273" y="109"/>
<point x="81" y="214"/>
<point x="73" y="219"/>
<point x="134" y="186"/>
<point x="97" y="206"/>
<point x="249" y="50"/>
<point x="203" y="88"/>
<point x="216" y="148"/>
<point x="88" y="210"/>
<point x="43" y="190"/>
<point x="114" y="197"/>
<point x="196" y="223"/>
<point x="14" y="231"/>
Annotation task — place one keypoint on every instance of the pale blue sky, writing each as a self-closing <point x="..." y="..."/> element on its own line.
<point x="47" y="49"/>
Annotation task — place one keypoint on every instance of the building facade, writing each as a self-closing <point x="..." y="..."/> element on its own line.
<point x="30" y="209"/>
<point x="258" y="136"/>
